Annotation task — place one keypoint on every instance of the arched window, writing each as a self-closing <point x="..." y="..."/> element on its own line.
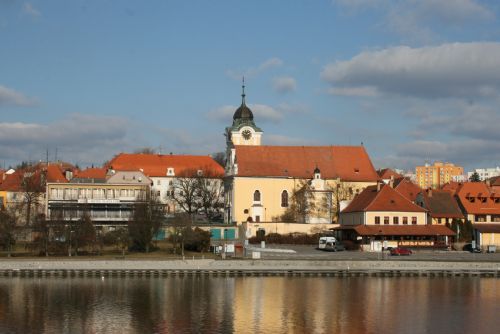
<point x="284" y="199"/>
<point x="256" y="196"/>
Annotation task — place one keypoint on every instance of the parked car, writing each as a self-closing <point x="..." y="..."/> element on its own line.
<point x="400" y="251"/>
<point x="330" y="244"/>
<point x="469" y="248"/>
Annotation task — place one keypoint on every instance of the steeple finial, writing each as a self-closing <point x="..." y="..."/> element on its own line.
<point x="243" y="91"/>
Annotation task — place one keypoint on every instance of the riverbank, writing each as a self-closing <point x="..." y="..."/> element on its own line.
<point x="41" y="268"/>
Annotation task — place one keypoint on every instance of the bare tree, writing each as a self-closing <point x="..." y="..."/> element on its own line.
<point x="211" y="192"/>
<point x="302" y="203"/>
<point x="145" y="150"/>
<point x="7" y="231"/>
<point x="32" y="187"/>
<point x="85" y="233"/>
<point x="220" y="158"/>
<point x="145" y="223"/>
<point x="342" y="191"/>
<point x="186" y="192"/>
<point x="41" y="240"/>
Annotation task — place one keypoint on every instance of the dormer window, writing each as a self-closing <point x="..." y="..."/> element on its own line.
<point x="170" y="171"/>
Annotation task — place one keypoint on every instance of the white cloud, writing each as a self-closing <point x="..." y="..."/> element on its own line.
<point x="254" y="71"/>
<point x="417" y="19"/>
<point x="9" y="96"/>
<point x="30" y="10"/>
<point x="464" y="70"/>
<point x="284" y="84"/>
<point x="78" y="138"/>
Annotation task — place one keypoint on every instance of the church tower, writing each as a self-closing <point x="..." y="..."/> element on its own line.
<point x="243" y="131"/>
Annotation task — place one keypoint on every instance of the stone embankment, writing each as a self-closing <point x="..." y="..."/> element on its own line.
<point x="134" y="268"/>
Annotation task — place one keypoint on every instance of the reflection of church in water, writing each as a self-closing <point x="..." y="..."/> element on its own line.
<point x="260" y="180"/>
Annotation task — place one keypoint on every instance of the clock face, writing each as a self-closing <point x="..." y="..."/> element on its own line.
<point x="247" y="134"/>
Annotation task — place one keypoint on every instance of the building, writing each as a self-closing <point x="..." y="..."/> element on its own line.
<point x="265" y="183"/>
<point x="441" y="206"/>
<point x="484" y="173"/>
<point x="407" y="188"/>
<point x="380" y="217"/>
<point x="434" y="176"/>
<point x="168" y="171"/>
<point x="108" y="204"/>
<point x="481" y="206"/>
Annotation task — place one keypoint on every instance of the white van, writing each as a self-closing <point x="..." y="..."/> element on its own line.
<point x="326" y="242"/>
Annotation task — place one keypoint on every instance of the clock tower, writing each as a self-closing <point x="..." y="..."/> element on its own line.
<point x="243" y="131"/>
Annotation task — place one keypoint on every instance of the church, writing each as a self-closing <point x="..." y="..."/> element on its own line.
<point x="304" y="185"/>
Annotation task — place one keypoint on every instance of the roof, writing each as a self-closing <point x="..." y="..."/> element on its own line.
<point x="415" y="230"/>
<point x="385" y="199"/>
<point x="349" y="163"/>
<point x="92" y="173"/>
<point x="487" y="227"/>
<point x="155" y="165"/>
<point x="477" y="198"/>
<point x="451" y="187"/>
<point x="441" y="204"/>
<point x="407" y="188"/>
<point x="495" y="181"/>
<point x="55" y="174"/>
<point x="12" y="182"/>
<point x="387" y="173"/>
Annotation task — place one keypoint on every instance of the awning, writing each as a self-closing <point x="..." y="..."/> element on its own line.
<point x="487" y="228"/>
<point x="401" y="230"/>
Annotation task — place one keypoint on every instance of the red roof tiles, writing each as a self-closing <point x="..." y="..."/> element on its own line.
<point x="157" y="164"/>
<point x="408" y="189"/>
<point x="387" y="173"/>
<point x="414" y="230"/>
<point x="386" y="199"/>
<point x="349" y="163"/>
<point x="441" y="204"/>
<point x="476" y="198"/>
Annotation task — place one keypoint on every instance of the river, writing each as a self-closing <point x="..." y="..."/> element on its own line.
<point x="250" y="305"/>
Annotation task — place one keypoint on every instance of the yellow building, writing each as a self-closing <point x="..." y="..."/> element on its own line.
<point x="264" y="184"/>
<point x="434" y="176"/>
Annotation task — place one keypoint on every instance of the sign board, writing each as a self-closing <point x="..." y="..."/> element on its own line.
<point x="255" y="255"/>
<point x="229" y="248"/>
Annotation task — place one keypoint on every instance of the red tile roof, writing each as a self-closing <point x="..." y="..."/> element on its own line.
<point x="156" y="164"/>
<point x="441" y="204"/>
<point x="415" y="230"/>
<point x="92" y="173"/>
<point x="386" y="199"/>
<point x="451" y="187"/>
<point x="55" y="174"/>
<point x="487" y="227"/>
<point x="386" y="174"/>
<point x="476" y="198"/>
<point x="12" y="182"/>
<point x="407" y="188"/>
<point x="349" y="163"/>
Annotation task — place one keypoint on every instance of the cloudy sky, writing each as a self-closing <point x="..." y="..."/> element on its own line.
<point x="414" y="80"/>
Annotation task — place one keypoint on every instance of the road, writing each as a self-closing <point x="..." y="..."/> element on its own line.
<point x="309" y="252"/>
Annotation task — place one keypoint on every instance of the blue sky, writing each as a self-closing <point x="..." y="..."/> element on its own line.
<point x="412" y="80"/>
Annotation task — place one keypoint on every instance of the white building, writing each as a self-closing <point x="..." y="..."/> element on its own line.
<point x="485" y="173"/>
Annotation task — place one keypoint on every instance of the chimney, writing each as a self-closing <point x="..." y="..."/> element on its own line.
<point x="379" y="185"/>
<point x="391" y="182"/>
<point x="488" y="183"/>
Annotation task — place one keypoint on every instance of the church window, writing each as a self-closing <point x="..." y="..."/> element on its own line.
<point x="256" y="196"/>
<point x="284" y="199"/>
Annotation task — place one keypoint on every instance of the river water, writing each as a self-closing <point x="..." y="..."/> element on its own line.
<point x="250" y="305"/>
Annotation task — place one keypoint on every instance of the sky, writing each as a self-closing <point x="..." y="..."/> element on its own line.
<point x="415" y="81"/>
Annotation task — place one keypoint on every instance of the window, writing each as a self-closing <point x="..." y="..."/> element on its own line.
<point x="395" y="220"/>
<point x="257" y="219"/>
<point x="495" y="218"/>
<point x="284" y="199"/>
<point x="414" y="220"/>
<point x="481" y="218"/>
<point x="386" y="220"/>
<point x="256" y="196"/>
<point x="377" y="220"/>
<point x="405" y="220"/>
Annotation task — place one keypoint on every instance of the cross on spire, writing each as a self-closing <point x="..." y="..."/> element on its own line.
<point x="243" y="91"/>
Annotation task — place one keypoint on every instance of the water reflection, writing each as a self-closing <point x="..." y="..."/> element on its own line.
<point x="249" y="305"/>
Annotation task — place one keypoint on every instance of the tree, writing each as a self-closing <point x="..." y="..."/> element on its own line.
<point x="302" y="203"/>
<point x="196" y="240"/>
<point x="145" y="150"/>
<point x="85" y="233"/>
<point x="41" y="240"/>
<point x="342" y="191"/>
<point x="145" y="224"/>
<point x="119" y="237"/>
<point x="211" y="193"/>
<point x="33" y="187"/>
<point x="178" y="226"/>
<point x="7" y="231"/>
<point x="186" y="192"/>
<point x="220" y="158"/>
<point x="475" y="177"/>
